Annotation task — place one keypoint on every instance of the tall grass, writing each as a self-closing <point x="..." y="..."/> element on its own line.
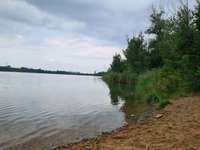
<point x="120" y="78"/>
<point x="158" y="86"/>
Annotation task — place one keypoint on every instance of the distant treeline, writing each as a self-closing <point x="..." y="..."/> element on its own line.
<point x="31" y="70"/>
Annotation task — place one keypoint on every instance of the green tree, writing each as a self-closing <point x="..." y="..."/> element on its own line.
<point x="117" y="64"/>
<point x="185" y="39"/>
<point x="136" y="54"/>
<point x="184" y="29"/>
<point x="197" y="16"/>
<point x="157" y="29"/>
<point x="196" y="48"/>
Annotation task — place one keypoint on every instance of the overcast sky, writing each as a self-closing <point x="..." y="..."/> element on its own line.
<point x="76" y="35"/>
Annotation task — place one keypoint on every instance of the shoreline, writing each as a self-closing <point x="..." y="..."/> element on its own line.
<point x="178" y="127"/>
<point x="62" y="74"/>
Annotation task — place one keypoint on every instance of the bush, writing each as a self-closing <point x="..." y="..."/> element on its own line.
<point x="121" y="78"/>
<point x="145" y="87"/>
<point x="158" y="86"/>
<point x="170" y="83"/>
<point x="155" y="86"/>
<point x="153" y="98"/>
<point x="164" y="103"/>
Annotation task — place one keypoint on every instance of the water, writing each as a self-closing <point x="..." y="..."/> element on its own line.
<point x="55" y="109"/>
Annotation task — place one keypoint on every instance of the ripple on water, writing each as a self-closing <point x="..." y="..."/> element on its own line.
<point x="37" y="106"/>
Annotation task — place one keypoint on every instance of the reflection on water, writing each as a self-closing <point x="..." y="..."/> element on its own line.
<point x="50" y="110"/>
<point x="131" y="106"/>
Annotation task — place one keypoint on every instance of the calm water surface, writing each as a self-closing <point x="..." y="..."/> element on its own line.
<point x="56" y="108"/>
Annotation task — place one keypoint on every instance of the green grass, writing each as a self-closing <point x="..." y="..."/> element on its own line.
<point x="157" y="86"/>
<point x="121" y="78"/>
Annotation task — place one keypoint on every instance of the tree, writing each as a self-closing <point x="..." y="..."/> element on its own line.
<point x="117" y="64"/>
<point x="196" y="48"/>
<point x="174" y="48"/>
<point x="136" y="54"/>
<point x="157" y="28"/>
<point x="187" y="38"/>
<point x="184" y="29"/>
<point x="197" y="16"/>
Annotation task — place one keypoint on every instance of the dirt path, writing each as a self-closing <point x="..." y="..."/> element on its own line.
<point x="178" y="129"/>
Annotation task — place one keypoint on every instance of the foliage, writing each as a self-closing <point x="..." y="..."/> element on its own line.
<point x="157" y="28"/>
<point x="169" y="65"/>
<point x="122" y="78"/>
<point x="31" y="70"/>
<point x="117" y="64"/>
<point x="158" y="85"/>
<point x="164" y="103"/>
<point x="136" y="54"/>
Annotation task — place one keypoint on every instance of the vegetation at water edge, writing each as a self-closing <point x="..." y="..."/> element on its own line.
<point x="165" y="65"/>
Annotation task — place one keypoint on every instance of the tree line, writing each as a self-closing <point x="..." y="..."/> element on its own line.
<point x="31" y="70"/>
<point x="172" y="53"/>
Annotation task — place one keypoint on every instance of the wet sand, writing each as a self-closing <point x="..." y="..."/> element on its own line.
<point x="177" y="129"/>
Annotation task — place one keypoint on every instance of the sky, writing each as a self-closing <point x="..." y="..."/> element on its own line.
<point x="73" y="35"/>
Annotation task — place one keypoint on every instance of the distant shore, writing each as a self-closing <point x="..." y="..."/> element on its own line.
<point x="42" y="71"/>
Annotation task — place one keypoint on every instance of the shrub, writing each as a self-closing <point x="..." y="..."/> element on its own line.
<point x="159" y="84"/>
<point x="153" y="98"/>
<point x="121" y="78"/>
<point x="145" y="87"/>
<point x="164" y="103"/>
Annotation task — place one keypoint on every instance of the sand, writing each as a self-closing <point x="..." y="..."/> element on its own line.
<point x="176" y="128"/>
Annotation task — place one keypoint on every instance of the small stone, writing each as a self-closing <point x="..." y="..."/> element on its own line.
<point x="87" y="147"/>
<point x="158" y="116"/>
<point x="132" y="115"/>
<point x="125" y="123"/>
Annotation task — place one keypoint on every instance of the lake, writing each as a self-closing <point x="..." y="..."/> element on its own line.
<point x="49" y="110"/>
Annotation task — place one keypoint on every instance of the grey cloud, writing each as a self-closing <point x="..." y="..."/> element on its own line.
<point x="108" y="19"/>
<point x="69" y="33"/>
<point x="21" y="12"/>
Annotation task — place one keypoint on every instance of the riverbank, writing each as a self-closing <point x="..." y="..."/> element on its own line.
<point x="178" y="128"/>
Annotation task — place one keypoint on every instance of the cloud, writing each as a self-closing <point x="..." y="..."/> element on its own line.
<point x="103" y="19"/>
<point x="78" y="35"/>
<point x="21" y="12"/>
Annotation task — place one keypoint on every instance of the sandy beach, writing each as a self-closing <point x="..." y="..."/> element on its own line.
<point x="177" y="127"/>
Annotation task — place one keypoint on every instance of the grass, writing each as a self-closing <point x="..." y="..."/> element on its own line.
<point x="158" y="86"/>
<point x="121" y="78"/>
<point x="155" y="86"/>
